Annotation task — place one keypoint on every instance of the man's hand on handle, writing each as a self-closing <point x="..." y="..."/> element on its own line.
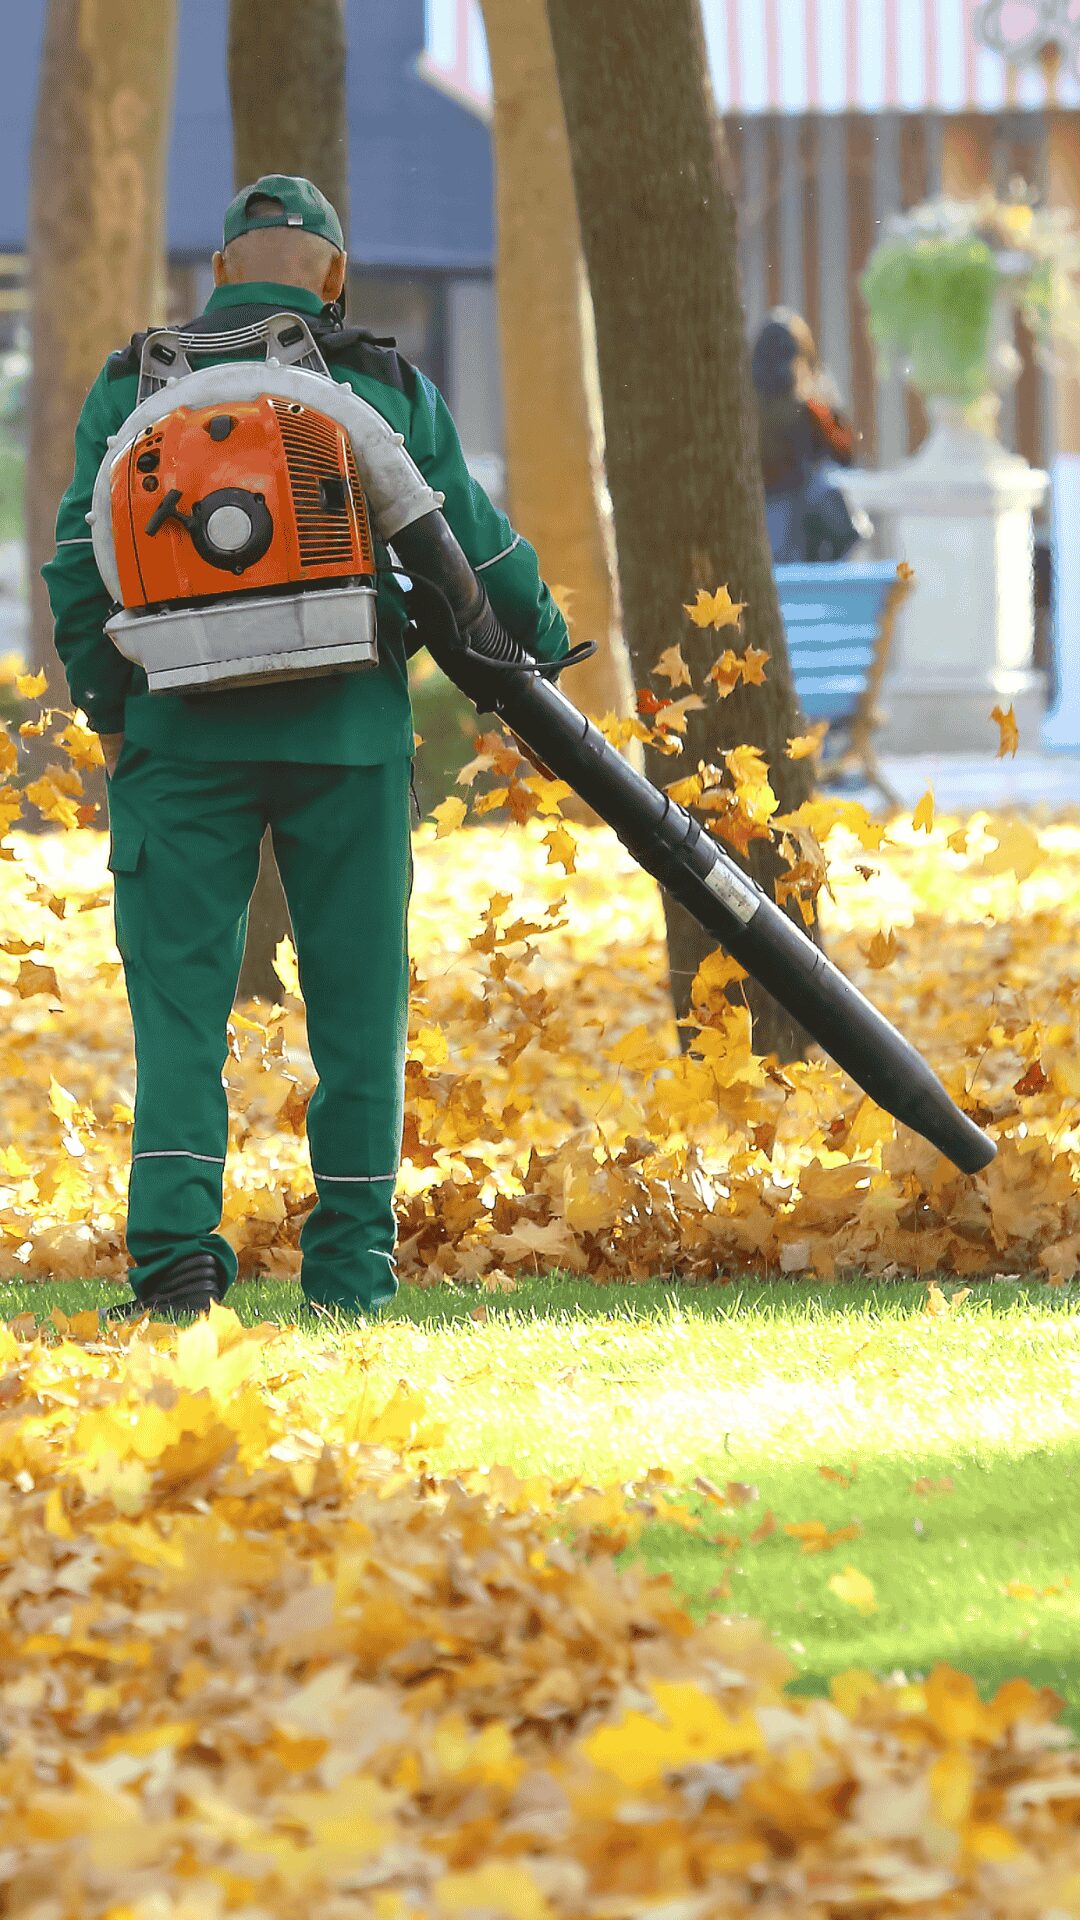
<point x="111" y="744"/>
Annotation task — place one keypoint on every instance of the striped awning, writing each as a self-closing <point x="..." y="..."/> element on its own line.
<point x="803" y="56"/>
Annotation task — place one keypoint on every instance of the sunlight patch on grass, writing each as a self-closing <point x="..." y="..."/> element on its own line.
<point x="766" y="1386"/>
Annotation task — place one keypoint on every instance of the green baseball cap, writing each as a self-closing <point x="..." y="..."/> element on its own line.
<point x="302" y="205"/>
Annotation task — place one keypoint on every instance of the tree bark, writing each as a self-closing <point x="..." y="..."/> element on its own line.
<point x="289" y="116"/>
<point x="553" y="420"/>
<point x="97" y="240"/>
<point x="658" y="229"/>
<point x="287" y="92"/>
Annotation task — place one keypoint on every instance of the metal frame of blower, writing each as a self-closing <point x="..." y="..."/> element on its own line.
<point x="253" y="639"/>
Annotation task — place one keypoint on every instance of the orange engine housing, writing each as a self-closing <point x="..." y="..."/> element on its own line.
<point x="185" y="488"/>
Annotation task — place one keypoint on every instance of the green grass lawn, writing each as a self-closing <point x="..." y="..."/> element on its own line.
<point x="765" y="1385"/>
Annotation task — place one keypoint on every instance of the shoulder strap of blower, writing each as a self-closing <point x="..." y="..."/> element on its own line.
<point x="364" y="352"/>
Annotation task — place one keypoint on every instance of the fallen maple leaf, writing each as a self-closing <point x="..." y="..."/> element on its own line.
<point x="839" y="1476"/>
<point x="937" y="1307"/>
<point x="815" y="1536"/>
<point x="1018" y="850"/>
<point x="717" y="609"/>
<point x="285" y="967"/>
<point x="749" y="772"/>
<point x="1009" y="736"/>
<point x="292" y="1112"/>
<point x="640" y="1049"/>
<point x="56" y="801"/>
<point x="740" y="1493"/>
<point x="805" y="746"/>
<point x="725" y="673"/>
<point x="881" y="950"/>
<point x="1032" y="1082"/>
<point x="33" y="978"/>
<point x="1022" y="1590"/>
<point x="81" y="744"/>
<point x="10" y="810"/>
<point x="923" y="817"/>
<point x="855" y="1590"/>
<point x="671" y="717"/>
<point x="673" y="667"/>
<point x="748" y="667"/>
<point x="562" y="848"/>
<point x="448" y="816"/>
<point x="1061" y="1259"/>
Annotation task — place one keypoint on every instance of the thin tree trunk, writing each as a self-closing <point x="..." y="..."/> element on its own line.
<point x="97" y="244"/>
<point x="287" y="90"/>
<point x="553" y="421"/>
<point x="658" y="229"/>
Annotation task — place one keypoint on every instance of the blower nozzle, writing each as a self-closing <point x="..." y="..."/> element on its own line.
<point x="499" y="676"/>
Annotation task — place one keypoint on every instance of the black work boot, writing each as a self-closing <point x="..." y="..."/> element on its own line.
<point x="191" y="1285"/>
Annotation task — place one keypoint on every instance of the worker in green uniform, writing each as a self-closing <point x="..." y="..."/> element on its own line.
<point x="325" y="763"/>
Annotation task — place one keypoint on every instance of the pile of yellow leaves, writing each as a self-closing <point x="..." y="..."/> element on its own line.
<point x="258" y="1661"/>
<point x="551" y="1120"/>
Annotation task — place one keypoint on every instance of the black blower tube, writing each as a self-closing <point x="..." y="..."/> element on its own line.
<point x="500" y="676"/>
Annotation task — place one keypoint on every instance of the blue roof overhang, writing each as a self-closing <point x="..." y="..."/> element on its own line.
<point x="419" y="161"/>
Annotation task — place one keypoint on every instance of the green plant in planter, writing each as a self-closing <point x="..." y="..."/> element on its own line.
<point x="930" y="304"/>
<point x="944" y="281"/>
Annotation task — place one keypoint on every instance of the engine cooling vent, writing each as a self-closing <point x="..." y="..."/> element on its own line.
<point x="312" y="447"/>
<point x="363" y="524"/>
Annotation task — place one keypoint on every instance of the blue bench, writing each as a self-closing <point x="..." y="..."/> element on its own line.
<point x="839" y="618"/>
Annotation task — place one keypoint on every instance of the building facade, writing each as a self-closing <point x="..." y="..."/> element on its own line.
<point x="420" y="230"/>
<point x="839" y="113"/>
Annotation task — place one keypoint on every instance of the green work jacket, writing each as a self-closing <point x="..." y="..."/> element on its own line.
<point x="345" y="719"/>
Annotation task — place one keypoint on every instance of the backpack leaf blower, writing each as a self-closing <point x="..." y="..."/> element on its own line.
<point x="250" y="560"/>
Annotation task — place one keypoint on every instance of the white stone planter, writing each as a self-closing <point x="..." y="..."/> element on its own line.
<point x="1061" y="733"/>
<point x="960" y="513"/>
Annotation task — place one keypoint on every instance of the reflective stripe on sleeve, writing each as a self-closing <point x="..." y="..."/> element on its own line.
<point x="482" y="565"/>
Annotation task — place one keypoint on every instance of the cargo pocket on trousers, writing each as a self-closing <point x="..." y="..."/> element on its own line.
<point x="125" y="859"/>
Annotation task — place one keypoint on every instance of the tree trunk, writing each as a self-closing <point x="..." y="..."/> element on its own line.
<point x="287" y="92"/>
<point x="658" y="229"/>
<point x="289" y="116"/>
<point x="97" y="243"/>
<point x="553" y="423"/>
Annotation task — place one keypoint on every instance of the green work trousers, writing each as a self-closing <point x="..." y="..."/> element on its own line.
<point x="184" y="853"/>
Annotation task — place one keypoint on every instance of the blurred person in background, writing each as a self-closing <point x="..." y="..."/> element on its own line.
<point x="804" y="435"/>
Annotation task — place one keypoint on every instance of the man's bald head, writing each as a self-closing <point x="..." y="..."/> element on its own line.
<point x="286" y="255"/>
